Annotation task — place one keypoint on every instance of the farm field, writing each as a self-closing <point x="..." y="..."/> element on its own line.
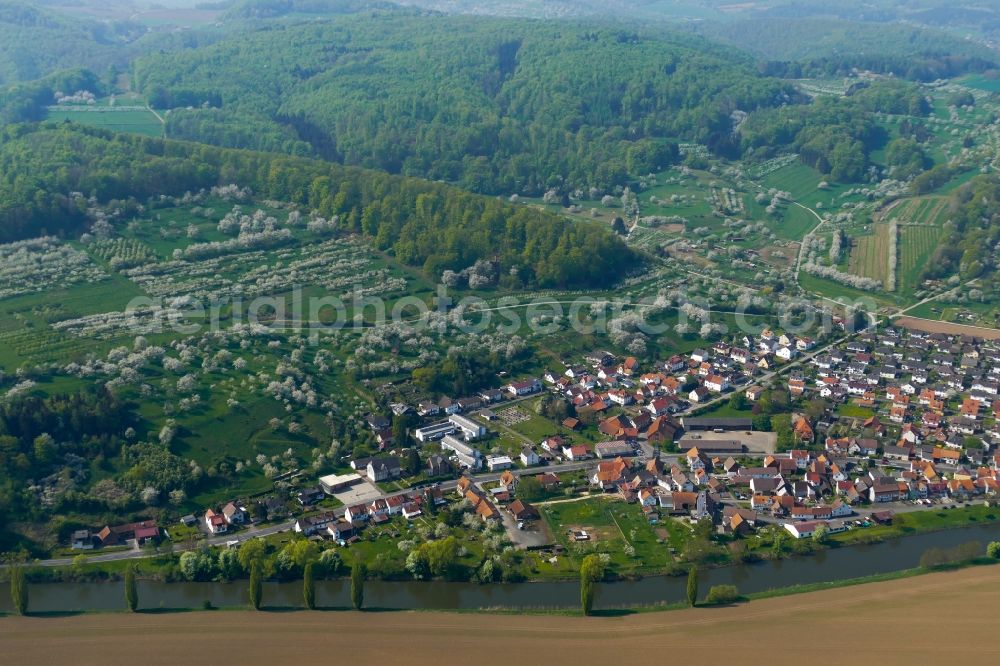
<point x="797" y="179"/>
<point x="948" y="327"/>
<point x="25" y="332"/>
<point x="837" y="291"/>
<point x="870" y="254"/>
<point x="981" y="82"/>
<point x="916" y="245"/>
<point x="132" y="122"/>
<point x="794" y="224"/>
<point x="963" y="600"/>
<point x="802" y="182"/>
<point x="930" y="210"/>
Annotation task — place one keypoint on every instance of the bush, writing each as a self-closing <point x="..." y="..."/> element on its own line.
<point x="722" y="594"/>
<point x="592" y="569"/>
<point x="993" y="550"/>
<point x="960" y="554"/>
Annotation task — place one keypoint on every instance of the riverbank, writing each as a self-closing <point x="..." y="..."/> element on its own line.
<point x="271" y="606"/>
<point x="163" y="567"/>
<point x="828" y="568"/>
<point x="872" y="619"/>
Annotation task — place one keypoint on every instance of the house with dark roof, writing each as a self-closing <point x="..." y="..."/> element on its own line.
<point x="384" y="469"/>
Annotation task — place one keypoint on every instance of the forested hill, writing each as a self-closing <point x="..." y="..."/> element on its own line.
<point x="819" y="47"/>
<point x="37" y="42"/>
<point x="427" y="225"/>
<point x="266" y="9"/>
<point x="494" y="105"/>
<point x="971" y="247"/>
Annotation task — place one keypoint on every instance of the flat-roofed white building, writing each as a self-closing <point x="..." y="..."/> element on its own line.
<point x="335" y="483"/>
<point x="467" y="455"/>
<point x="496" y="463"/>
<point x="471" y="429"/>
<point x="434" y="431"/>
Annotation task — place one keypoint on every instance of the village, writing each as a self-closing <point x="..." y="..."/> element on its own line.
<point x="771" y="432"/>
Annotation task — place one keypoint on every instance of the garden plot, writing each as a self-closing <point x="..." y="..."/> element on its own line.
<point x="649" y="239"/>
<point x="512" y="416"/>
<point x="727" y="201"/>
<point x="617" y="531"/>
<point x="43" y="264"/>
<point x="780" y="256"/>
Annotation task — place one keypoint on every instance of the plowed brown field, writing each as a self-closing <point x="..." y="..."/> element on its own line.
<point x="938" y="618"/>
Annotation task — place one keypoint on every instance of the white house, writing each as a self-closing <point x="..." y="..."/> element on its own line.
<point x="785" y="353"/>
<point x="716" y="383"/>
<point x="524" y="388"/>
<point x="804" y="529"/>
<point x="234" y="515"/>
<point x="495" y="463"/>
<point x="528" y="457"/>
<point x="216" y="522"/>
<point x="356" y="512"/>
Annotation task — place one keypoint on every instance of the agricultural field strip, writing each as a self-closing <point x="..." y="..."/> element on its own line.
<point x="917" y="242"/>
<point x="96" y="109"/>
<point x="870" y="254"/>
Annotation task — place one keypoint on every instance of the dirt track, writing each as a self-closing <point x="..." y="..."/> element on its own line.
<point x="930" y="326"/>
<point x="946" y="618"/>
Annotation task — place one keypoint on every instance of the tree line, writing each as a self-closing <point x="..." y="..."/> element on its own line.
<point x="427" y="225"/>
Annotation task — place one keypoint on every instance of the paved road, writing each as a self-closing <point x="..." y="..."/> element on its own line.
<point x="221" y="540"/>
<point x="285" y="526"/>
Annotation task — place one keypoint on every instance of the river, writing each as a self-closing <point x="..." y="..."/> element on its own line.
<point x="826" y="566"/>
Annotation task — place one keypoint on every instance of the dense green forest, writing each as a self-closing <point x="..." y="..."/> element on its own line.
<point x="267" y="9"/>
<point x="496" y="106"/>
<point x="834" y="134"/>
<point x="972" y="242"/>
<point x="24" y="102"/>
<point x="428" y="225"/>
<point x="820" y="47"/>
<point x="36" y="42"/>
<point x="61" y="435"/>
